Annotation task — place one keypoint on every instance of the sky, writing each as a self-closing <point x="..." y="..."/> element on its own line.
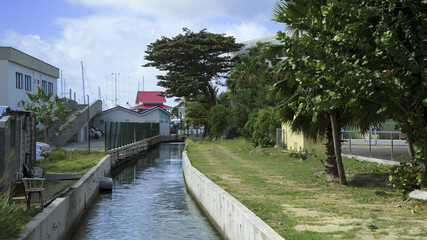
<point x="110" y="37"/>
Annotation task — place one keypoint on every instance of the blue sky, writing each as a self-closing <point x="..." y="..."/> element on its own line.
<point x="110" y="36"/>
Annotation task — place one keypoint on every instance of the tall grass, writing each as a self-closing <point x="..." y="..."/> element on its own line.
<point x="61" y="161"/>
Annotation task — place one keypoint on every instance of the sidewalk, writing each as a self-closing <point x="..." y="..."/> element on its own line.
<point x="95" y="145"/>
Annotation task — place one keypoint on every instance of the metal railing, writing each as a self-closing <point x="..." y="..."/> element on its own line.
<point x="372" y="136"/>
<point x="119" y="134"/>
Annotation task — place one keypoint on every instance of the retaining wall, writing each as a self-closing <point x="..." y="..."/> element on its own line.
<point x="231" y="218"/>
<point x="58" y="219"/>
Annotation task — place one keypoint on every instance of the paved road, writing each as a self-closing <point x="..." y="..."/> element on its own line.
<point x="382" y="150"/>
<point x="95" y="145"/>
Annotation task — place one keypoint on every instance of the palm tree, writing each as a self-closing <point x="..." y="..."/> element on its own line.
<point x="289" y="12"/>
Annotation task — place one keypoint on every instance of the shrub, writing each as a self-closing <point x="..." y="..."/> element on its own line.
<point x="57" y="155"/>
<point x="406" y="178"/>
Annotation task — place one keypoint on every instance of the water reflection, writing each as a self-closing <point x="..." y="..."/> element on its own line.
<point x="149" y="201"/>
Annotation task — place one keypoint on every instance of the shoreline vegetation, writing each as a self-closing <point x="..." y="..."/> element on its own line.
<point x="292" y="194"/>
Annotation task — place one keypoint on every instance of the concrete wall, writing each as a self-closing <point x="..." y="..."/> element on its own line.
<point x="13" y="61"/>
<point x="77" y="123"/>
<point x="59" y="217"/>
<point x="296" y="141"/>
<point x="4" y="77"/>
<point x="231" y="218"/>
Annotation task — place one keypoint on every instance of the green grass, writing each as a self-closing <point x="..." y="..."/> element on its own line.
<point x="273" y="184"/>
<point x="61" y="161"/>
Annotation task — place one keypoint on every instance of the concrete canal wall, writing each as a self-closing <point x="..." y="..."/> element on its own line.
<point x="232" y="219"/>
<point x="59" y="217"/>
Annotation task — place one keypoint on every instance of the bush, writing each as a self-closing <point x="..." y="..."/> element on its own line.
<point x="406" y="178"/>
<point x="262" y="126"/>
<point x="57" y="155"/>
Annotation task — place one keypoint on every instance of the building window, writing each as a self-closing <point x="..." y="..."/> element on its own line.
<point x="19" y="80"/>
<point x="101" y="121"/>
<point x="44" y="86"/>
<point x="50" y="87"/>
<point x="27" y="83"/>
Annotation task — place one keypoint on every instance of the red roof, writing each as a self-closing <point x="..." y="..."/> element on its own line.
<point x="149" y="97"/>
<point x="150" y="106"/>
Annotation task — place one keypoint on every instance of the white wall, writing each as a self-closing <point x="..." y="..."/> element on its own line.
<point x="14" y="94"/>
<point x="4" y="82"/>
<point x="121" y="115"/>
<point x="230" y="217"/>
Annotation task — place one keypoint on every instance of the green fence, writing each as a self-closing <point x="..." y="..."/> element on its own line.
<point x="118" y="134"/>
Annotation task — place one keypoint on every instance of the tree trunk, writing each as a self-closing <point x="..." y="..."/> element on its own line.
<point x="409" y="138"/>
<point x="209" y="93"/>
<point x="331" y="163"/>
<point x="337" y="147"/>
<point x="46" y="137"/>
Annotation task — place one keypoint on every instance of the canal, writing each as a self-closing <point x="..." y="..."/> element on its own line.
<point x="148" y="201"/>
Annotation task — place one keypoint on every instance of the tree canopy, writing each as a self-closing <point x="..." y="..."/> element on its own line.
<point x="193" y="62"/>
<point x="364" y="58"/>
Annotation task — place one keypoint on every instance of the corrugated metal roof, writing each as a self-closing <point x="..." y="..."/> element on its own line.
<point x="3" y="109"/>
<point x="149" y="96"/>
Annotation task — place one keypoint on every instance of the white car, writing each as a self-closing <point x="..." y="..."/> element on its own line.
<point x="43" y="149"/>
<point x="95" y="132"/>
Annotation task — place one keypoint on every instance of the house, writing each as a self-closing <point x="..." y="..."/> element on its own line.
<point x="149" y="99"/>
<point x="17" y="144"/>
<point x="155" y="114"/>
<point x="21" y="73"/>
<point x="298" y="142"/>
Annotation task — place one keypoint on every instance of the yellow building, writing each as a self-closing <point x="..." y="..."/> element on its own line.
<point x="297" y="141"/>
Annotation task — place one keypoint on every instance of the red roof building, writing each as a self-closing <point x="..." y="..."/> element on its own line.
<point x="148" y="99"/>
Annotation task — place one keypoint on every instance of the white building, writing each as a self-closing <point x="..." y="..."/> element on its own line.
<point x="121" y="114"/>
<point x="21" y="73"/>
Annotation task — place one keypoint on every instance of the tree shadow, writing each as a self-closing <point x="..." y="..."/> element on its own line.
<point x="377" y="180"/>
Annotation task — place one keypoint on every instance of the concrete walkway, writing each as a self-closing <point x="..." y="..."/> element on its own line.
<point x="95" y="145"/>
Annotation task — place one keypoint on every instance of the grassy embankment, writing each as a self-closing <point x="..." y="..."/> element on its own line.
<point x="13" y="216"/>
<point x="291" y="195"/>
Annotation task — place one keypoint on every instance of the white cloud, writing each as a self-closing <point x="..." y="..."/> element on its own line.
<point x="113" y="40"/>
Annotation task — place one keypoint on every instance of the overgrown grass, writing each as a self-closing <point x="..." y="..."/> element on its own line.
<point x="13" y="218"/>
<point x="61" y="161"/>
<point x="280" y="188"/>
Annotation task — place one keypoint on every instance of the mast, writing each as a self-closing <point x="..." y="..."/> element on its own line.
<point x="83" y="79"/>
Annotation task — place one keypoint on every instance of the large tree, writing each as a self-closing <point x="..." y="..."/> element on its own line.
<point x="249" y="83"/>
<point x="362" y="57"/>
<point x="50" y="112"/>
<point x="193" y="62"/>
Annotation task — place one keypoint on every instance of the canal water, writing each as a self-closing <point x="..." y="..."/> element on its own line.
<point x="148" y="201"/>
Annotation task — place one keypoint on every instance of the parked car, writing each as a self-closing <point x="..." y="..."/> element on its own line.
<point x="95" y="132"/>
<point x="42" y="150"/>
